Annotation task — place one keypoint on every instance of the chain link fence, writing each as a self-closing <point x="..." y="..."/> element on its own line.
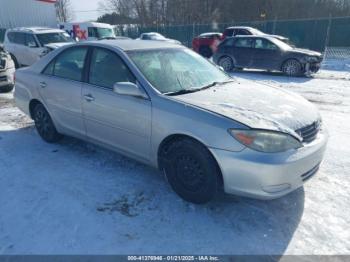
<point x="314" y="34"/>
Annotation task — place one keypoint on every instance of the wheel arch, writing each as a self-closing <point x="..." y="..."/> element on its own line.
<point x="15" y="61"/>
<point x="167" y="141"/>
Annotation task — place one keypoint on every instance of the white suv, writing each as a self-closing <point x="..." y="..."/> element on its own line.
<point x="28" y="45"/>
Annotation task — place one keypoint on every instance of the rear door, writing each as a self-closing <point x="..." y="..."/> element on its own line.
<point x="242" y="51"/>
<point x="61" y="87"/>
<point x="120" y="121"/>
<point x="266" y="54"/>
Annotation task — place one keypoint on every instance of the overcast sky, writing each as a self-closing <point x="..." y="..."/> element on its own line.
<point x="84" y="5"/>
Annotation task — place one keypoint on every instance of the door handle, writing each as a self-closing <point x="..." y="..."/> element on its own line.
<point x="43" y="84"/>
<point x="89" y="98"/>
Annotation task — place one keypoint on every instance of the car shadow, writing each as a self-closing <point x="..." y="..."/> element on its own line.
<point x="274" y="76"/>
<point x="154" y="219"/>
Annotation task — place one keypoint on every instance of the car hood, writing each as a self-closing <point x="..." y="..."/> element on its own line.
<point x="256" y="105"/>
<point x="57" y="45"/>
<point x="306" y="52"/>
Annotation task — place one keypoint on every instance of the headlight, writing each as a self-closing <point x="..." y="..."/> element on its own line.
<point x="265" y="141"/>
<point x="311" y="59"/>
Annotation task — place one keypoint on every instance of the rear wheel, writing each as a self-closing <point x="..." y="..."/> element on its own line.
<point x="292" y="67"/>
<point x="226" y="63"/>
<point x="44" y="124"/>
<point x="191" y="171"/>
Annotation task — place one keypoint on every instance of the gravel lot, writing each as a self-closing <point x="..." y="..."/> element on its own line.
<point x="76" y="198"/>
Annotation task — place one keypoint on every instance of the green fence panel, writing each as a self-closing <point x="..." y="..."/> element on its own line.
<point x="314" y="34"/>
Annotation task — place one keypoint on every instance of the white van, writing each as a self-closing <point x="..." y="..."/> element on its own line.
<point x="27" y="45"/>
<point x="88" y="30"/>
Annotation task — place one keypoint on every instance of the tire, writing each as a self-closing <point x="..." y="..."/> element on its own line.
<point x="6" y="89"/>
<point x="292" y="67"/>
<point x="205" y="51"/>
<point x="192" y="171"/>
<point x="44" y="124"/>
<point x="226" y="63"/>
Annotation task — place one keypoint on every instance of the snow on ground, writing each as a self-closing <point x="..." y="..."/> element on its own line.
<point x="76" y="198"/>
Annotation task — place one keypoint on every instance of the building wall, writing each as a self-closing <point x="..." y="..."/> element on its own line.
<point x="16" y="13"/>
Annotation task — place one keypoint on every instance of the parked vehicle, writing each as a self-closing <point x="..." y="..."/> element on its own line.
<point x="28" y="45"/>
<point x="7" y="70"/>
<point x="88" y="31"/>
<point x="165" y="105"/>
<point x="267" y="53"/>
<point x="206" y="44"/>
<point x="157" y="37"/>
<point x="246" y="30"/>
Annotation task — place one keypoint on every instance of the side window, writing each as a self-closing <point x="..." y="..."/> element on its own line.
<point x="92" y="32"/>
<point x="242" y="32"/>
<point x="70" y="63"/>
<point x="20" y="38"/>
<point x="30" y="41"/>
<point x="229" y="32"/>
<point x="49" y="69"/>
<point x="107" y="68"/>
<point x="244" y="42"/>
<point x="265" y="44"/>
<point x="11" y="37"/>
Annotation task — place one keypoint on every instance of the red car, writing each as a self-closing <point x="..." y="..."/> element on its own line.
<point x="206" y="44"/>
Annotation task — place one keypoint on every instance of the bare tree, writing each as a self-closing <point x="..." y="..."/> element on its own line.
<point x="64" y="10"/>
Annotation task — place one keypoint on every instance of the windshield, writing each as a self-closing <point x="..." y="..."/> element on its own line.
<point x="49" y="38"/>
<point x="100" y="32"/>
<point x="281" y="44"/>
<point x="153" y="36"/>
<point x="174" y="70"/>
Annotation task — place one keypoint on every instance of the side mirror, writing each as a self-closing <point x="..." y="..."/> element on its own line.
<point x="129" y="89"/>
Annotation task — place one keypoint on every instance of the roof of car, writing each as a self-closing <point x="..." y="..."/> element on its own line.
<point x="253" y="36"/>
<point x="210" y="34"/>
<point x="36" y="30"/>
<point x="128" y="45"/>
<point x="239" y="27"/>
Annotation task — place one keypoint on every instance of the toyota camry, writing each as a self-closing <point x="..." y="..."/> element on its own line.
<point x="164" y="105"/>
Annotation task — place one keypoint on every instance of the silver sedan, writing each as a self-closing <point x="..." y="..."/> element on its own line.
<point x="166" y="106"/>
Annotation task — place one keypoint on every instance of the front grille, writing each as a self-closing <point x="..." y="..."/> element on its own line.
<point x="3" y="78"/>
<point x="2" y="63"/>
<point x="309" y="133"/>
<point x="310" y="173"/>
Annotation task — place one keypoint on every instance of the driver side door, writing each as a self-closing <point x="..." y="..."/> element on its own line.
<point x="122" y="122"/>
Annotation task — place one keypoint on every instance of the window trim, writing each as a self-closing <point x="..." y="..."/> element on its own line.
<point x="53" y="60"/>
<point x="88" y="67"/>
<point x="268" y="49"/>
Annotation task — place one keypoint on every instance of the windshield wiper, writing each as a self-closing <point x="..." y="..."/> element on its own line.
<point x="193" y="90"/>
<point x="181" y="92"/>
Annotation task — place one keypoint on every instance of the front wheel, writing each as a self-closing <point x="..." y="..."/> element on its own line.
<point x="226" y="63"/>
<point x="192" y="171"/>
<point x="44" y="124"/>
<point x="292" y="67"/>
